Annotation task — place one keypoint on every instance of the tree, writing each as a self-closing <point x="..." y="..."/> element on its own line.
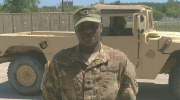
<point x="116" y="2"/>
<point x="72" y="9"/>
<point x="16" y="6"/>
<point x="1" y="10"/>
<point x="157" y="15"/>
<point x="94" y="4"/>
<point x="172" y="12"/>
<point x="164" y="8"/>
<point x="101" y="1"/>
<point x="25" y="10"/>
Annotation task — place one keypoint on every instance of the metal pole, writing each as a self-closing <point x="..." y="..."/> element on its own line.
<point x="179" y="14"/>
<point x="62" y="6"/>
<point x="166" y="23"/>
<point x="178" y="23"/>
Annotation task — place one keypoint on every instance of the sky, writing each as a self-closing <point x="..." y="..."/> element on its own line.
<point x="88" y="2"/>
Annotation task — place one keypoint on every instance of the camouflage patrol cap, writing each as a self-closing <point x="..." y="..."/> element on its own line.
<point x="86" y="14"/>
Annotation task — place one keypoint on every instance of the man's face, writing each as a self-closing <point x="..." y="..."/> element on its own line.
<point x="88" y="33"/>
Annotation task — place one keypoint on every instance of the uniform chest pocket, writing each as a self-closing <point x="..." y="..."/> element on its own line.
<point x="109" y="69"/>
<point x="69" y="72"/>
<point x="66" y="79"/>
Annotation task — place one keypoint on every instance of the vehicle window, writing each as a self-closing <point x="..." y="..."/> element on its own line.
<point x="150" y="20"/>
<point x="129" y="22"/>
<point x="106" y="26"/>
<point x="117" y="26"/>
<point x="145" y="14"/>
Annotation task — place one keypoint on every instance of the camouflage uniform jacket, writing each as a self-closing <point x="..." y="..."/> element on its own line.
<point x="110" y="76"/>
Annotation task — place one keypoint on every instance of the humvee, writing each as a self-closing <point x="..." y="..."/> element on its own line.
<point x="129" y="28"/>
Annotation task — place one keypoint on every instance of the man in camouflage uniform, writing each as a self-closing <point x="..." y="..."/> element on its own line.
<point x="90" y="70"/>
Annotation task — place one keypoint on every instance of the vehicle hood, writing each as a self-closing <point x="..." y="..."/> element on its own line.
<point x="168" y="41"/>
<point x="168" y="33"/>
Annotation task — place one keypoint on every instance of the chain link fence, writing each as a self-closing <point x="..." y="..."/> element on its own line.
<point x="168" y="24"/>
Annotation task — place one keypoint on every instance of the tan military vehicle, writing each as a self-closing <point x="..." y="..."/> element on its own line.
<point x="129" y="28"/>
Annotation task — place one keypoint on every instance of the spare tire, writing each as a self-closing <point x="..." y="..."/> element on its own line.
<point x="25" y="74"/>
<point x="174" y="81"/>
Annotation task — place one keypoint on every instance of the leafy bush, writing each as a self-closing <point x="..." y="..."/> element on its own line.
<point x="157" y="15"/>
<point x="25" y="10"/>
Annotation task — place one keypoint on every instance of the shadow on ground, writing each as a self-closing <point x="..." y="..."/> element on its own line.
<point x="147" y="91"/>
<point x="6" y="91"/>
<point x="151" y="91"/>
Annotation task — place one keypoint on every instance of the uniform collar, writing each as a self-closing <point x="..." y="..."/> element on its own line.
<point x="102" y="57"/>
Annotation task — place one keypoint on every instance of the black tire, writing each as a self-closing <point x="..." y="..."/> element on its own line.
<point x="33" y="63"/>
<point x="174" y="81"/>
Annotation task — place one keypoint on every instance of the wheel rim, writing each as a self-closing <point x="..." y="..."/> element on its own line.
<point x="26" y="75"/>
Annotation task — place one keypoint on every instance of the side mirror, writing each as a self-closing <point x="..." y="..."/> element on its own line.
<point x="141" y="23"/>
<point x="142" y="18"/>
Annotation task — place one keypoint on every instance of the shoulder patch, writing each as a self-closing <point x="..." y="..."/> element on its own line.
<point x="46" y="67"/>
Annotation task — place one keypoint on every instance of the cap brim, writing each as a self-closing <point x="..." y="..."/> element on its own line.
<point x="87" y="19"/>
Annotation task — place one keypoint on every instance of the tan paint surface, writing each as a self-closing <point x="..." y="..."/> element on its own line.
<point x="151" y="59"/>
<point x="149" y="63"/>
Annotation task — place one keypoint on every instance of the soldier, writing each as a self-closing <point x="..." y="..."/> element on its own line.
<point x="90" y="70"/>
<point x="119" y="25"/>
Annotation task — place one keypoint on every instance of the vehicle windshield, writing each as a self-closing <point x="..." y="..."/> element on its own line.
<point x="117" y="25"/>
